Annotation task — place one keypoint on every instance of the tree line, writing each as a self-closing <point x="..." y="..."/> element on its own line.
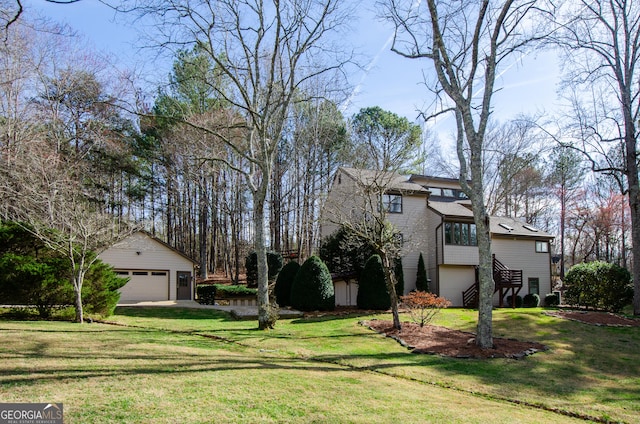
<point x="236" y="151"/>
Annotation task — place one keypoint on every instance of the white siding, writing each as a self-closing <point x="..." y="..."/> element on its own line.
<point x="141" y="252"/>
<point x="461" y="255"/>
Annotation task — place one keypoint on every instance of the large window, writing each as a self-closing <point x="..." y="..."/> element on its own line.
<point x="534" y="286"/>
<point x="460" y="233"/>
<point x="542" y="247"/>
<point x="392" y="203"/>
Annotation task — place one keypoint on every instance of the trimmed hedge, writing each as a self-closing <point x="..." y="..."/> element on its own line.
<point x="284" y="282"/>
<point x="206" y="294"/>
<point x="531" y="300"/>
<point x="598" y="285"/>
<point x="372" y="289"/>
<point x="518" y="301"/>
<point x="551" y="300"/>
<point x="225" y="291"/>
<point x="312" y="287"/>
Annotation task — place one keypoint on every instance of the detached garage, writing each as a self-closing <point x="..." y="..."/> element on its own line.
<point x="156" y="271"/>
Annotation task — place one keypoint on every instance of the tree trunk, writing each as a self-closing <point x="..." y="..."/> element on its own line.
<point x="390" y="280"/>
<point x="265" y="313"/>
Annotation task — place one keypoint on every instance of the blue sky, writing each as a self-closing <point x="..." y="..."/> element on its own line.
<point x="391" y="82"/>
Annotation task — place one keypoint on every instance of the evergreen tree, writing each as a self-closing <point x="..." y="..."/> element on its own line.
<point x="284" y="282"/>
<point x="422" y="282"/>
<point x="372" y="288"/>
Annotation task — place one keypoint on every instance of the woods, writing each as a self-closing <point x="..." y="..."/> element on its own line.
<point x="236" y="148"/>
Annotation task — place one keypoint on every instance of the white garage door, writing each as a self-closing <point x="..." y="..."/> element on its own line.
<point x="144" y="285"/>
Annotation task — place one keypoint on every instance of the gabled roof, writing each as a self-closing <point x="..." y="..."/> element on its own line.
<point x="383" y="179"/>
<point x="513" y="227"/>
<point x="157" y="240"/>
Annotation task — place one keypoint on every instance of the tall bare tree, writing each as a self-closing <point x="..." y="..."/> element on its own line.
<point x="601" y="40"/>
<point x="466" y="42"/>
<point x="267" y="51"/>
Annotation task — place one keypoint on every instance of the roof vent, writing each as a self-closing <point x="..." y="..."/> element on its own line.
<point x="505" y="226"/>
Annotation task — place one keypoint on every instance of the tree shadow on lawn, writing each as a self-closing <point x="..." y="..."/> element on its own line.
<point x="581" y="356"/>
<point x="172" y="313"/>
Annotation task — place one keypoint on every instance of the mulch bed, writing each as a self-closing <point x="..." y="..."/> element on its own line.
<point x="596" y="318"/>
<point x="435" y="340"/>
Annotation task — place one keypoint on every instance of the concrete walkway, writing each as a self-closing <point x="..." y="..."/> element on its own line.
<point x="239" y="312"/>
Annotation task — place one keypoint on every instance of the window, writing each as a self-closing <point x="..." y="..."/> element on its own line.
<point x="139" y="273"/>
<point x="392" y="203"/>
<point x="460" y="233"/>
<point x="534" y="286"/>
<point x="542" y="247"/>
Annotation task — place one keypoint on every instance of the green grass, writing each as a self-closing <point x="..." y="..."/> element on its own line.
<point x="180" y="365"/>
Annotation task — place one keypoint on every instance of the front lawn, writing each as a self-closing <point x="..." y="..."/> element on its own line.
<point x="179" y="365"/>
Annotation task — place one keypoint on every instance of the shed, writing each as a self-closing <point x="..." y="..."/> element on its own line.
<point x="156" y="271"/>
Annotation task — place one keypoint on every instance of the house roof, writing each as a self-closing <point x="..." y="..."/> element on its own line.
<point x="384" y="179"/>
<point x="451" y="209"/>
<point x="513" y="227"/>
<point x="498" y="225"/>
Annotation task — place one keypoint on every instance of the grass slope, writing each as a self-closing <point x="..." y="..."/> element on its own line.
<point x="178" y="365"/>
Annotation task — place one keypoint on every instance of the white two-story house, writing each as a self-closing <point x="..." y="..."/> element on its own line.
<point x="434" y="218"/>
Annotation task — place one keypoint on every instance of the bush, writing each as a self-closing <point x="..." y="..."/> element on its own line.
<point x="552" y="299"/>
<point x="423" y="306"/>
<point x="282" y="290"/>
<point x="274" y="265"/>
<point x="372" y="289"/>
<point x="422" y="282"/>
<point x="206" y="294"/>
<point x="531" y="300"/>
<point x="100" y="293"/>
<point x="598" y="285"/>
<point x="225" y="291"/>
<point x="518" y="301"/>
<point x="312" y="288"/>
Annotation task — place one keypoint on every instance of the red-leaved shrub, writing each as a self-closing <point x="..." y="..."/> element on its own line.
<point x="423" y="306"/>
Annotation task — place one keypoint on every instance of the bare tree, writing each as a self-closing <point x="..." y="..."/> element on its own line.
<point x="267" y="52"/>
<point x="466" y="42"/>
<point x="601" y="40"/>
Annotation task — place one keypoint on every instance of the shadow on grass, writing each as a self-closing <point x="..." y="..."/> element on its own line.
<point x="172" y="313"/>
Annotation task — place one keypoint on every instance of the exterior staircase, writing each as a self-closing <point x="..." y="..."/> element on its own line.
<point x="507" y="281"/>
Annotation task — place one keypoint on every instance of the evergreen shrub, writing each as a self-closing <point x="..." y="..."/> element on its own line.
<point x="518" y="301"/>
<point x="284" y="282"/>
<point x="598" y="285"/>
<point x="206" y="294"/>
<point x="372" y="289"/>
<point x="422" y="282"/>
<point x="551" y="300"/>
<point x="531" y="300"/>
<point x="312" y="287"/>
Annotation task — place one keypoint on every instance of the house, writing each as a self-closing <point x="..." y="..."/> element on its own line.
<point x="156" y="271"/>
<point x="405" y="202"/>
<point x="435" y="218"/>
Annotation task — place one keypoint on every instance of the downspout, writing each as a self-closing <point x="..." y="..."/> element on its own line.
<point x="437" y="250"/>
